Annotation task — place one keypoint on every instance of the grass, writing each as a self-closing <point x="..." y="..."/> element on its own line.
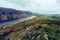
<point x="39" y="27"/>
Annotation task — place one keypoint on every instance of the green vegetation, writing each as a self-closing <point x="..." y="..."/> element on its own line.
<point x="38" y="28"/>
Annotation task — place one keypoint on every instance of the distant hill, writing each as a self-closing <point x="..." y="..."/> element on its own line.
<point x="10" y="14"/>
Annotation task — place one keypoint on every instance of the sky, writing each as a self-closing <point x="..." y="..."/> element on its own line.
<point x="36" y="6"/>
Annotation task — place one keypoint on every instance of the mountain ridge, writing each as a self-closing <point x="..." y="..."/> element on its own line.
<point x="10" y="14"/>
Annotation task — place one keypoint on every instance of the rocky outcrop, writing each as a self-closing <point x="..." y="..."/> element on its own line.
<point x="9" y="14"/>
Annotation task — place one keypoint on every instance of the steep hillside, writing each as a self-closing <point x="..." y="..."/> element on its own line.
<point x="9" y="14"/>
<point x="34" y="29"/>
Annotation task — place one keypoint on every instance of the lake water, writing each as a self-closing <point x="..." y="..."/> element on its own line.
<point x="16" y="21"/>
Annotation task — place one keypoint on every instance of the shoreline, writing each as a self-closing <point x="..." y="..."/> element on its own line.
<point x="16" y="21"/>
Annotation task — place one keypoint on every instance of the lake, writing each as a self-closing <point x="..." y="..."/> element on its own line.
<point x="16" y="21"/>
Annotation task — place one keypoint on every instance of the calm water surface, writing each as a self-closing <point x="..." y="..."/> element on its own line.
<point x="16" y="21"/>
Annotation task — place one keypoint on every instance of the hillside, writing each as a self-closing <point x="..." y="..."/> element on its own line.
<point x="10" y="14"/>
<point x="34" y="29"/>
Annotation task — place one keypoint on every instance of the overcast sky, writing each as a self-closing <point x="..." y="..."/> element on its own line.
<point x="38" y="6"/>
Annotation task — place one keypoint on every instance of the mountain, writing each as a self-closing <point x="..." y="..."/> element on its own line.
<point x="10" y="14"/>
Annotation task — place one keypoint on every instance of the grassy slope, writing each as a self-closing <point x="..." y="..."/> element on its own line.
<point x="35" y="29"/>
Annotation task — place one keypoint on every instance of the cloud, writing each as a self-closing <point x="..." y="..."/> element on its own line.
<point x="37" y="6"/>
<point x="6" y="4"/>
